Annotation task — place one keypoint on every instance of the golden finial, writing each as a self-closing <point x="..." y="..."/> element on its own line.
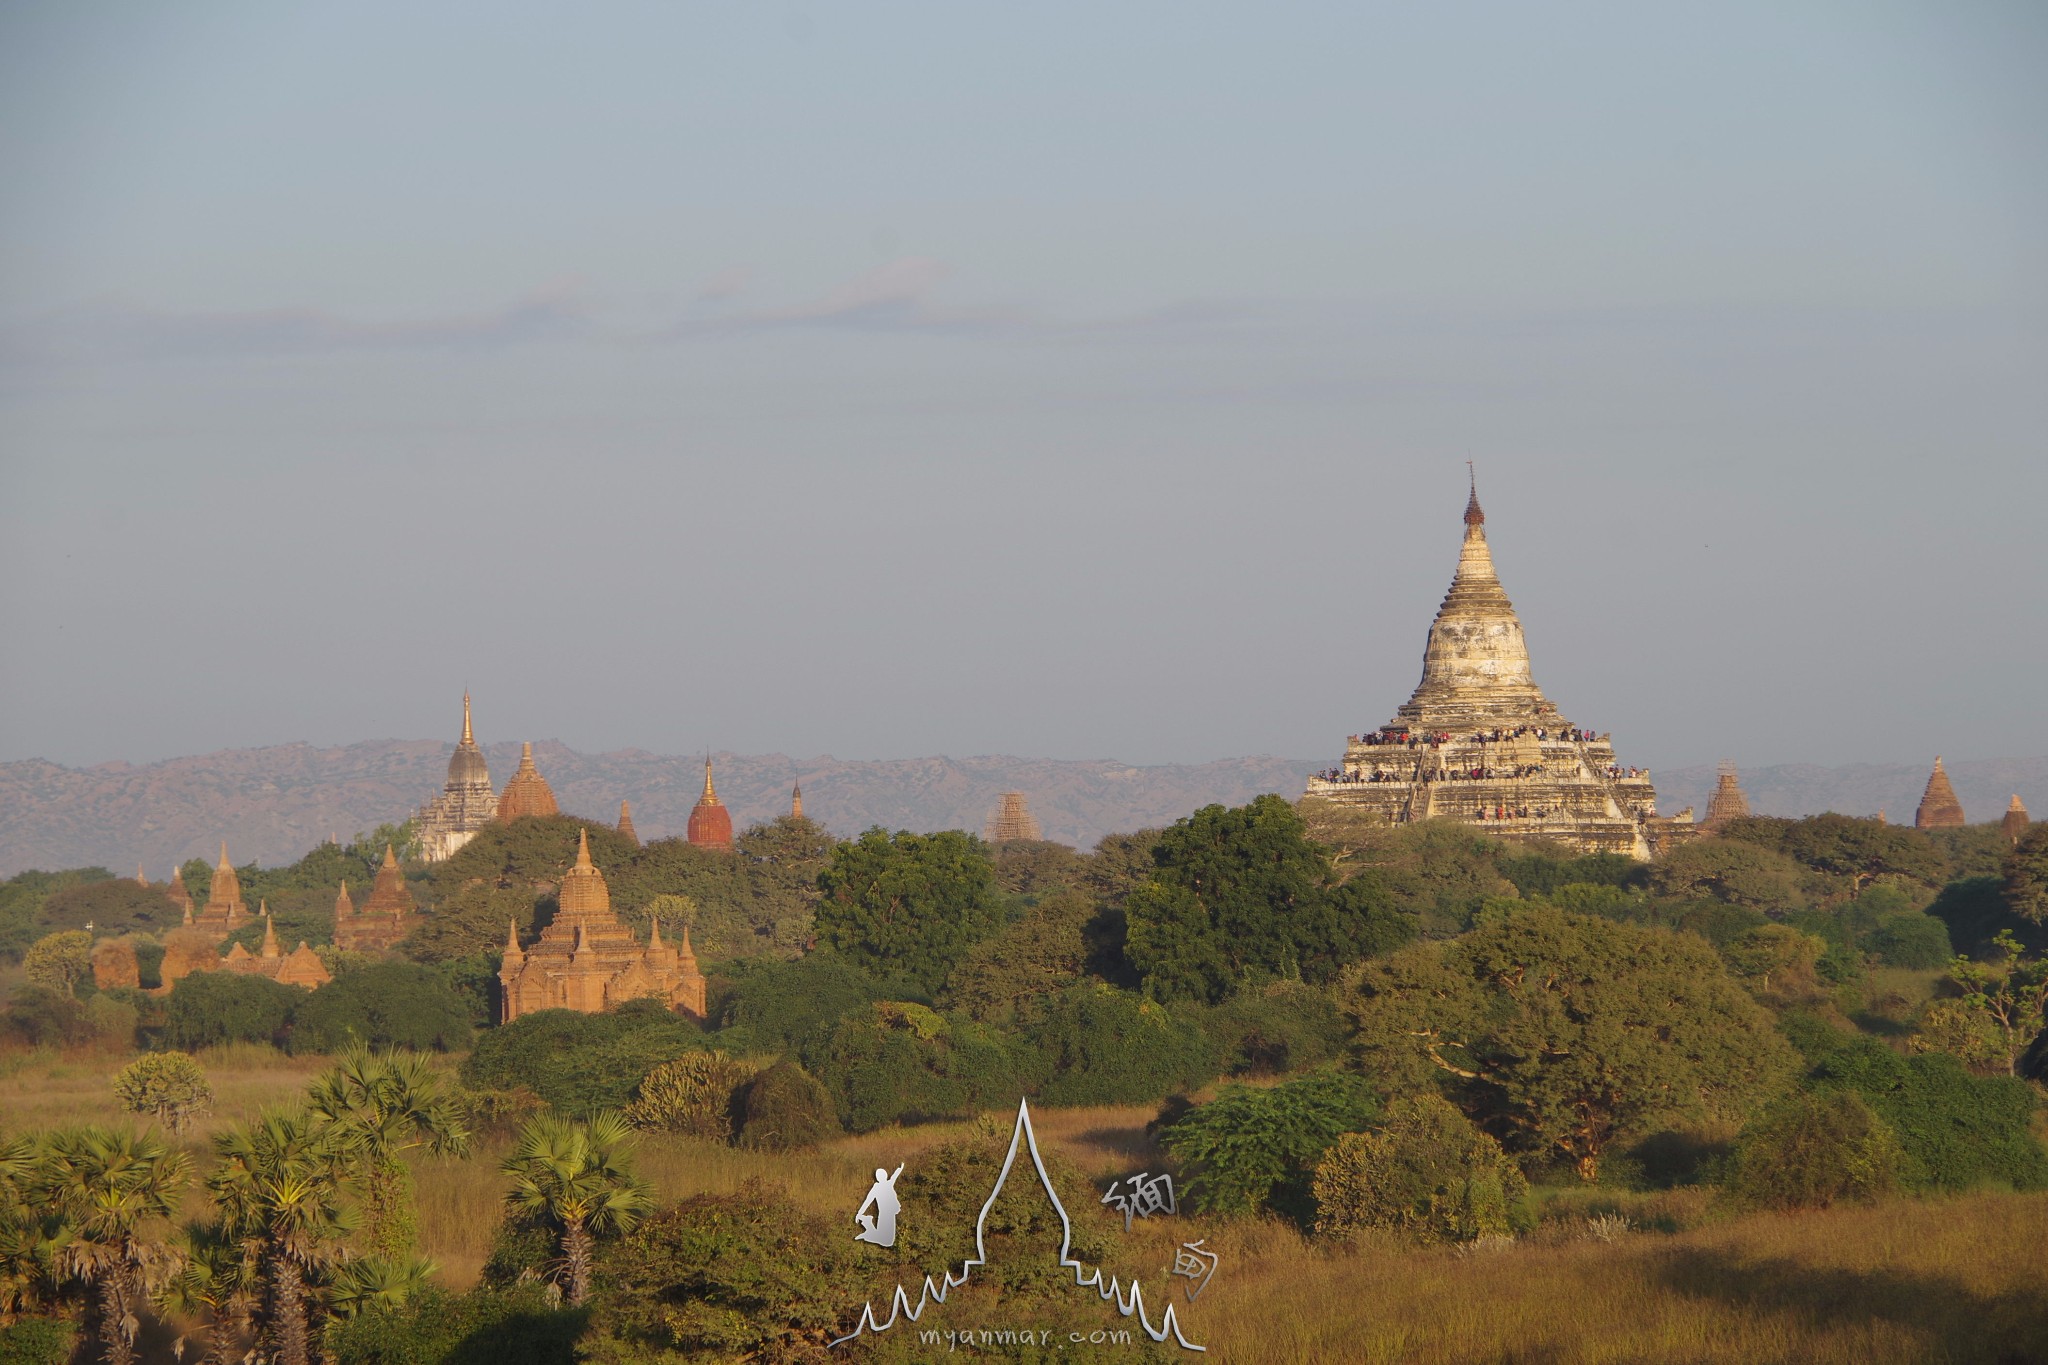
<point x="467" y="737"/>
<point x="1473" y="516"/>
<point x="796" y="802"/>
<point x="583" y="847"/>
<point x="710" y="797"/>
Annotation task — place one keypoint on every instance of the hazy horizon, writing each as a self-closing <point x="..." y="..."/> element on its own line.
<point x="1061" y="382"/>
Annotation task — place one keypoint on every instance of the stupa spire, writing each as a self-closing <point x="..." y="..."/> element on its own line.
<point x="1475" y="668"/>
<point x="1939" y="808"/>
<point x="626" y="823"/>
<point x="2015" y="822"/>
<point x="710" y="797"/>
<point x="270" y="948"/>
<point x="796" y="802"/>
<point x="582" y="849"/>
<point x="468" y="736"/>
<point x="710" y="822"/>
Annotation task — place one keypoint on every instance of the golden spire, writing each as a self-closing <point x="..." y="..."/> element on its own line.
<point x="653" y="932"/>
<point x="512" y="938"/>
<point x="583" y="848"/>
<point x="269" y="930"/>
<point x="390" y="858"/>
<point x="626" y="822"/>
<point x="1473" y="516"/>
<point x="710" y="797"/>
<point x="343" y="906"/>
<point x="467" y="737"/>
<point x="796" y="802"/>
<point x="224" y="863"/>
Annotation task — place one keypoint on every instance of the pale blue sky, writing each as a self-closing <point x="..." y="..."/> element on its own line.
<point x="1068" y="380"/>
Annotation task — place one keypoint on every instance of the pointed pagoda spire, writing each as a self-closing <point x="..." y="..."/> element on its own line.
<point x="514" y="954"/>
<point x="710" y="822"/>
<point x="188" y="912"/>
<point x="626" y="823"/>
<point x="1939" y="808"/>
<point x="390" y="857"/>
<point x="527" y="792"/>
<point x="270" y="948"/>
<point x="796" y="802"/>
<point x="653" y="932"/>
<point x="2015" y="822"/>
<point x="583" y="849"/>
<point x="468" y="736"/>
<point x="1473" y="516"/>
<point x="710" y="796"/>
<point x="343" y="906"/>
<point x="1475" y="668"/>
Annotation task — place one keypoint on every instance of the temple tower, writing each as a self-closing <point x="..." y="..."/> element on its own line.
<point x="224" y="908"/>
<point x="1478" y="741"/>
<point x="466" y="803"/>
<point x="626" y="830"/>
<point x="1939" y="808"/>
<point x="710" y="821"/>
<point x="384" y="919"/>
<point x="527" y="792"/>
<point x="1011" y="819"/>
<point x="2015" y="822"/>
<point x="796" y="801"/>
<point x="1727" y="803"/>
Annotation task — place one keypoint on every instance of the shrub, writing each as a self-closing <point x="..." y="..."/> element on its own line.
<point x="390" y="1004"/>
<point x="902" y="1063"/>
<point x="518" y="1326"/>
<point x="226" y="1007"/>
<point x="1424" y="1173"/>
<point x="695" y="1094"/>
<point x="1916" y="941"/>
<point x="1969" y="1035"/>
<point x="783" y="1005"/>
<point x="580" y="1063"/>
<point x="1956" y="1130"/>
<point x="1101" y="1045"/>
<point x="943" y="1192"/>
<point x="57" y="961"/>
<point x="1815" y="1149"/>
<point x="1254" y="1148"/>
<point x="1288" y="1026"/>
<point x="43" y="1018"/>
<point x="1774" y="960"/>
<point x="37" y="1341"/>
<point x="168" y="1086"/>
<point x="714" y="1278"/>
<point x="785" y="1107"/>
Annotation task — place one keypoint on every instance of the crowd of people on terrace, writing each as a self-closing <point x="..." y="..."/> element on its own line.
<point x="1436" y="738"/>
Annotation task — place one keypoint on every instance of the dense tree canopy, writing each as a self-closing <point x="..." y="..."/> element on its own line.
<point x="908" y="905"/>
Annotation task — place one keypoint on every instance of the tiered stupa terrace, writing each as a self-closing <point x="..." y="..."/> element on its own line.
<point x="1479" y="742"/>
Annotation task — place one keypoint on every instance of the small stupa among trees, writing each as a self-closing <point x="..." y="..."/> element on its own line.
<point x="1939" y="808"/>
<point x="1012" y="819"/>
<point x="1728" y="802"/>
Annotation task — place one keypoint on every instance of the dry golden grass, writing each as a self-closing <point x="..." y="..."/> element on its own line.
<point x="1912" y="1281"/>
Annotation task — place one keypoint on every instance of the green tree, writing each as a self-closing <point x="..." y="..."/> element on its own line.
<point x="23" y="1248"/>
<point x="1253" y="1147"/>
<point x="114" y="1194"/>
<point x="170" y="1087"/>
<point x="1101" y="1045"/>
<point x="1732" y="871"/>
<point x="696" y="1094"/>
<point x="1846" y="848"/>
<point x="385" y="1005"/>
<point x="782" y="1005"/>
<point x="58" y="960"/>
<point x="908" y="905"/>
<point x="113" y="906"/>
<point x="785" y="1107"/>
<point x="1423" y="1172"/>
<point x="580" y="1063"/>
<point x="280" y="1189"/>
<point x="1915" y="941"/>
<point x="1774" y="960"/>
<point x="1570" y="1031"/>
<point x="2008" y="995"/>
<point x="228" y="1007"/>
<point x="2026" y="875"/>
<point x="1956" y="1130"/>
<point x="579" y="1177"/>
<point x="386" y="1103"/>
<point x="1815" y="1149"/>
<point x="1040" y="953"/>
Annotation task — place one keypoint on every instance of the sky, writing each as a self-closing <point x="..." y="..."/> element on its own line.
<point x="1062" y="380"/>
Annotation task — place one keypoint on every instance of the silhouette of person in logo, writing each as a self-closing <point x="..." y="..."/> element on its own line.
<point x="880" y="1226"/>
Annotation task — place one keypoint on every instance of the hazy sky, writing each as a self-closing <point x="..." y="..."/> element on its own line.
<point x="1070" y="380"/>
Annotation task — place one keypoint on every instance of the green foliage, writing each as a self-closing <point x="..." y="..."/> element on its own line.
<point x="1916" y="941"/>
<point x="471" y="920"/>
<point x="1288" y="1026"/>
<point x="580" y="1063"/>
<point x="900" y="1063"/>
<point x="578" y="1176"/>
<point x="1040" y="953"/>
<point x="57" y="961"/>
<point x="1242" y="896"/>
<point x="1253" y="1148"/>
<point x="2025" y="875"/>
<point x="41" y="1018"/>
<point x="390" y="1004"/>
<point x="169" y="1087"/>
<point x="228" y="1007"/>
<point x="943" y="1192"/>
<point x="22" y="898"/>
<point x="715" y="1278"/>
<point x="510" y="1326"/>
<point x="696" y="1094"/>
<point x="1845" y="849"/>
<point x="37" y="1341"/>
<point x="1569" y="1031"/>
<point x="1775" y="961"/>
<point x="1732" y="871"/>
<point x="782" y="1005"/>
<point x="784" y="1108"/>
<point x="1815" y="1149"/>
<point x="1424" y="1173"/>
<point x="1440" y="871"/>
<point x="112" y="905"/>
<point x="1956" y="1130"/>
<point x="1095" y="1044"/>
<point x="1539" y="875"/>
<point x="1033" y="867"/>
<point x="908" y="905"/>
<point x="2008" y="995"/>
<point x="1975" y="912"/>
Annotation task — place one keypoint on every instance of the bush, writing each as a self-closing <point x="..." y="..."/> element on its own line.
<point x="1956" y="1130"/>
<point x="1101" y="1045"/>
<point x="44" y="1018"/>
<point x="784" y="1108"/>
<point x="1813" y="1150"/>
<point x="903" y="1063"/>
<point x="1916" y="941"/>
<point x="581" y="1063"/>
<point x="388" y="1005"/>
<point x="1424" y="1173"/>
<point x="226" y="1007"/>
<point x="37" y="1341"/>
<point x="697" y="1094"/>
<point x="715" y="1277"/>
<point x="168" y="1086"/>
<point x="783" y="1005"/>
<point x="1254" y="1148"/>
<point x="944" y="1190"/>
<point x="1288" y="1026"/>
<point x="518" y="1326"/>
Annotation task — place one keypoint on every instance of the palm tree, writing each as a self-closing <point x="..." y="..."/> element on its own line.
<point x="24" y="1251"/>
<point x="110" y="1190"/>
<point x="377" y="1281"/>
<point x="221" y="1280"/>
<point x="392" y="1101"/>
<point x="579" y="1177"/>
<point x="279" y="1188"/>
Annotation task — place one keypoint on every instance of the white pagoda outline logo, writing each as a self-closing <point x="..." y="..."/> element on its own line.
<point x="1129" y="1300"/>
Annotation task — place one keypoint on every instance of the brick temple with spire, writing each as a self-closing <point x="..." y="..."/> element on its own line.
<point x="710" y="821"/>
<point x="1939" y="808"/>
<point x="1479" y="742"/>
<point x="588" y="960"/>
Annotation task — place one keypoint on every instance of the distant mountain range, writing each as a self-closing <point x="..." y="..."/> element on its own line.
<point x="273" y="804"/>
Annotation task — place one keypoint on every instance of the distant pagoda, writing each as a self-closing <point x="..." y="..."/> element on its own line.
<point x="1727" y="803"/>
<point x="587" y="960"/>
<point x="526" y="792"/>
<point x="466" y="803"/>
<point x="1479" y="742"/>
<point x="1012" y="820"/>
<point x="2015" y="822"/>
<point x="384" y="919"/>
<point x="710" y="822"/>
<point x="1939" y="808"/>
<point x="626" y="830"/>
